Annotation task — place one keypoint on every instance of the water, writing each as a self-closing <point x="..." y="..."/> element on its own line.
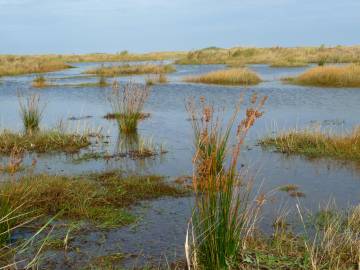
<point x="288" y="106"/>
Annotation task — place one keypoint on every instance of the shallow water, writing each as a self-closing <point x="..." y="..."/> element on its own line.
<point x="288" y="106"/>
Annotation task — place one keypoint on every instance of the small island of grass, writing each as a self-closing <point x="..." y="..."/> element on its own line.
<point x="235" y="76"/>
<point x="329" y="76"/>
<point x="111" y="71"/>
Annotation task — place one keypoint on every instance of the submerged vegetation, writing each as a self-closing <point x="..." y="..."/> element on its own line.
<point x="235" y="76"/>
<point x="127" y="102"/>
<point x="329" y="76"/>
<point x="317" y="144"/>
<point x="112" y="71"/>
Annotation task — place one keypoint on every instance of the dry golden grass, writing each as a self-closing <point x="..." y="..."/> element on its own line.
<point x="317" y="144"/>
<point x="235" y="76"/>
<point x="131" y="70"/>
<point x="18" y="65"/>
<point x="239" y="56"/>
<point x="330" y="76"/>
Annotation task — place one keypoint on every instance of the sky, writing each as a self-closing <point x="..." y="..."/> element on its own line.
<point x="87" y="26"/>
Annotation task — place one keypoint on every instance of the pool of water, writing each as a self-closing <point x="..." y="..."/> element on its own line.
<point x="288" y="106"/>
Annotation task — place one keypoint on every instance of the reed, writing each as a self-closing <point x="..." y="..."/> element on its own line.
<point x="316" y="143"/>
<point x="31" y="112"/>
<point x="329" y="76"/>
<point x="224" y="215"/>
<point x="236" y="76"/>
<point x="127" y="102"/>
<point x="112" y="71"/>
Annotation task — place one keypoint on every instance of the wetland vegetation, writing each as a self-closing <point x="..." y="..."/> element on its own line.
<point x="99" y="179"/>
<point x="329" y="76"/>
<point x="112" y="71"/>
<point x="316" y="143"/>
<point x="238" y="76"/>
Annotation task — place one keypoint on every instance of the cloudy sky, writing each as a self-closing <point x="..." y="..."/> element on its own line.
<point x="82" y="26"/>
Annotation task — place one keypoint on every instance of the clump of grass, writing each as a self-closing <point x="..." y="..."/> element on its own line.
<point x="39" y="82"/>
<point x="236" y="76"/>
<point x="42" y="142"/>
<point x="224" y="215"/>
<point x="127" y="102"/>
<point x="124" y="70"/>
<point x="329" y="76"/>
<point x="31" y="112"/>
<point x="317" y="144"/>
<point x="156" y="79"/>
<point x="100" y="198"/>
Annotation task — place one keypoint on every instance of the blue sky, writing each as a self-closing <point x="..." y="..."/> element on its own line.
<point x="82" y="26"/>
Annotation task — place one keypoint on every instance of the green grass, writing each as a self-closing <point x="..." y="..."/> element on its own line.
<point x="42" y="142"/>
<point x="317" y="144"/>
<point x="124" y="70"/>
<point x="235" y="76"/>
<point x="31" y="112"/>
<point x="100" y="198"/>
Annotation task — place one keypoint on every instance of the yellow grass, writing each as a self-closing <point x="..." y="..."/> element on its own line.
<point x="330" y="76"/>
<point x="18" y="65"/>
<point x="235" y="76"/>
<point x="250" y="55"/>
<point x="131" y="70"/>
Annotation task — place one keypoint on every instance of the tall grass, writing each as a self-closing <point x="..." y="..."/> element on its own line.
<point x="235" y="76"/>
<point x="224" y="214"/>
<point x="31" y="112"/>
<point x="316" y="143"/>
<point x="127" y="102"/>
<point x="330" y="76"/>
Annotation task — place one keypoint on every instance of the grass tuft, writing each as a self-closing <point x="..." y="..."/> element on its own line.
<point x="223" y="215"/>
<point x="39" y="82"/>
<point x="236" y="76"/>
<point x="31" y="112"/>
<point x="127" y="102"/>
